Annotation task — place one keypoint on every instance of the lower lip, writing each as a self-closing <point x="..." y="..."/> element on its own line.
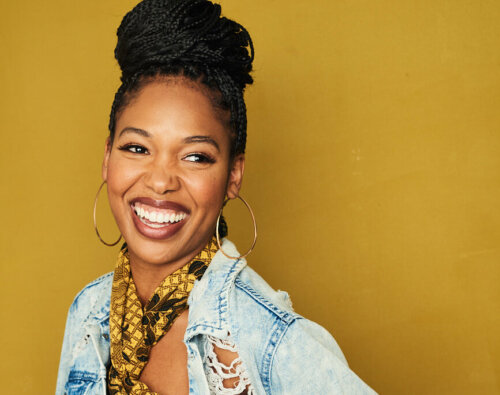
<point x="157" y="233"/>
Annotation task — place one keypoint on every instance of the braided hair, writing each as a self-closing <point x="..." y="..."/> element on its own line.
<point x="186" y="38"/>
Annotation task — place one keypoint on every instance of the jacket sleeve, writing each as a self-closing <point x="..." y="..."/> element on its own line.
<point x="308" y="360"/>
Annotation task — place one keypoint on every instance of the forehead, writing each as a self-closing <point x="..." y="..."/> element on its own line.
<point x="174" y="105"/>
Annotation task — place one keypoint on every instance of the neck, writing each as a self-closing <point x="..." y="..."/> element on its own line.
<point x="148" y="276"/>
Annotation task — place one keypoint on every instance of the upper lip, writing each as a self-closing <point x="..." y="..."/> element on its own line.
<point x="164" y="204"/>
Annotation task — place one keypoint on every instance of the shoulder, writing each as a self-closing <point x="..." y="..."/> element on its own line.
<point x="251" y="288"/>
<point x="253" y="292"/>
<point x="94" y="295"/>
<point x="297" y="355"/>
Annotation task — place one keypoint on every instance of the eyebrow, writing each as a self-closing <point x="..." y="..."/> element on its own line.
<point x="134" y="130"/>
<point x="202" y="139"/>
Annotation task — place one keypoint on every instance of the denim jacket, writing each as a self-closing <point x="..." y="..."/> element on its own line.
<point x="282" y="352"/>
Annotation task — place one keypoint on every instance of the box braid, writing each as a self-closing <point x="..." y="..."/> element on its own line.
<point x="188" y="38"/>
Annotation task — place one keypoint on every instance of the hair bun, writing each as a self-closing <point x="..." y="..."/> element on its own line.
<point x="165" y="34"/>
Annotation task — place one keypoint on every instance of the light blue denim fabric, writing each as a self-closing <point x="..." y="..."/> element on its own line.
<point x="282" y="352"/>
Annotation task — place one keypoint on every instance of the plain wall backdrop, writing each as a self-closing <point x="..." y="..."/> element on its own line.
<point x="373" y="167"/>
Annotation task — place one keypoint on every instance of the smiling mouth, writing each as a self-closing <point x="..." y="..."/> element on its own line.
<point x="157" y="217"/>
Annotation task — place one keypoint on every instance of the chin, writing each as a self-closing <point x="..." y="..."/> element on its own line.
<point x="165" y="251"/>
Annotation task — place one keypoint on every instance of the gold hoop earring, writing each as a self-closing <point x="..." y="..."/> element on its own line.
<point x="254" y="231"/>
<point x="95" y="221"/>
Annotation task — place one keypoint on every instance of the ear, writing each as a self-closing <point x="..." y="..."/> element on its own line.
<point x="235" y="176"/>
<point x="107" y="152"/>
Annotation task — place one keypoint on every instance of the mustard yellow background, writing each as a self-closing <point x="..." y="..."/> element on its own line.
<point x="373" y="168"/>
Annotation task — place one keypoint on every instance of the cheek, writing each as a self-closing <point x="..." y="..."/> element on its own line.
<point x="120" y="177"/>
<point x="209" y="190"/>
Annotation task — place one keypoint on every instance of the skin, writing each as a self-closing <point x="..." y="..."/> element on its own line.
<point x="155" y="155"/>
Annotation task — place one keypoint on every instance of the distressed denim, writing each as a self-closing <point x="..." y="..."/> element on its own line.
<point x="282" y="352"/>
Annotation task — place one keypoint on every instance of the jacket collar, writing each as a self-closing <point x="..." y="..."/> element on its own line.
<point x="209" y="298"/>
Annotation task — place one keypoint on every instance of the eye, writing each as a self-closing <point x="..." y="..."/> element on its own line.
<point x="199" y="158"/>
<point x="134" y="148"/>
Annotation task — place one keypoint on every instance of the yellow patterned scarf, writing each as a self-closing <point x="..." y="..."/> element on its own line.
<point x="134" y="330"/>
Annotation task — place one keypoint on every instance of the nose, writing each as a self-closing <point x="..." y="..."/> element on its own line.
<point x="162" y="177"/>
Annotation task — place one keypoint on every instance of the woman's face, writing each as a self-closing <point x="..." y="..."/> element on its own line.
<point x="168" y="171"/>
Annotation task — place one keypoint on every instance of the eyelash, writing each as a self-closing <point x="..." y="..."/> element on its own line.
<point x="202" y="158"/>
<point x="129" y="147"/>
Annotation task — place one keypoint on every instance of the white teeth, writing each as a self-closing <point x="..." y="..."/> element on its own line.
<point x="160" y="219"/>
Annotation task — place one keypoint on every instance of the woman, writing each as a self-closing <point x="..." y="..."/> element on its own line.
<point x="182" y="312"/>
